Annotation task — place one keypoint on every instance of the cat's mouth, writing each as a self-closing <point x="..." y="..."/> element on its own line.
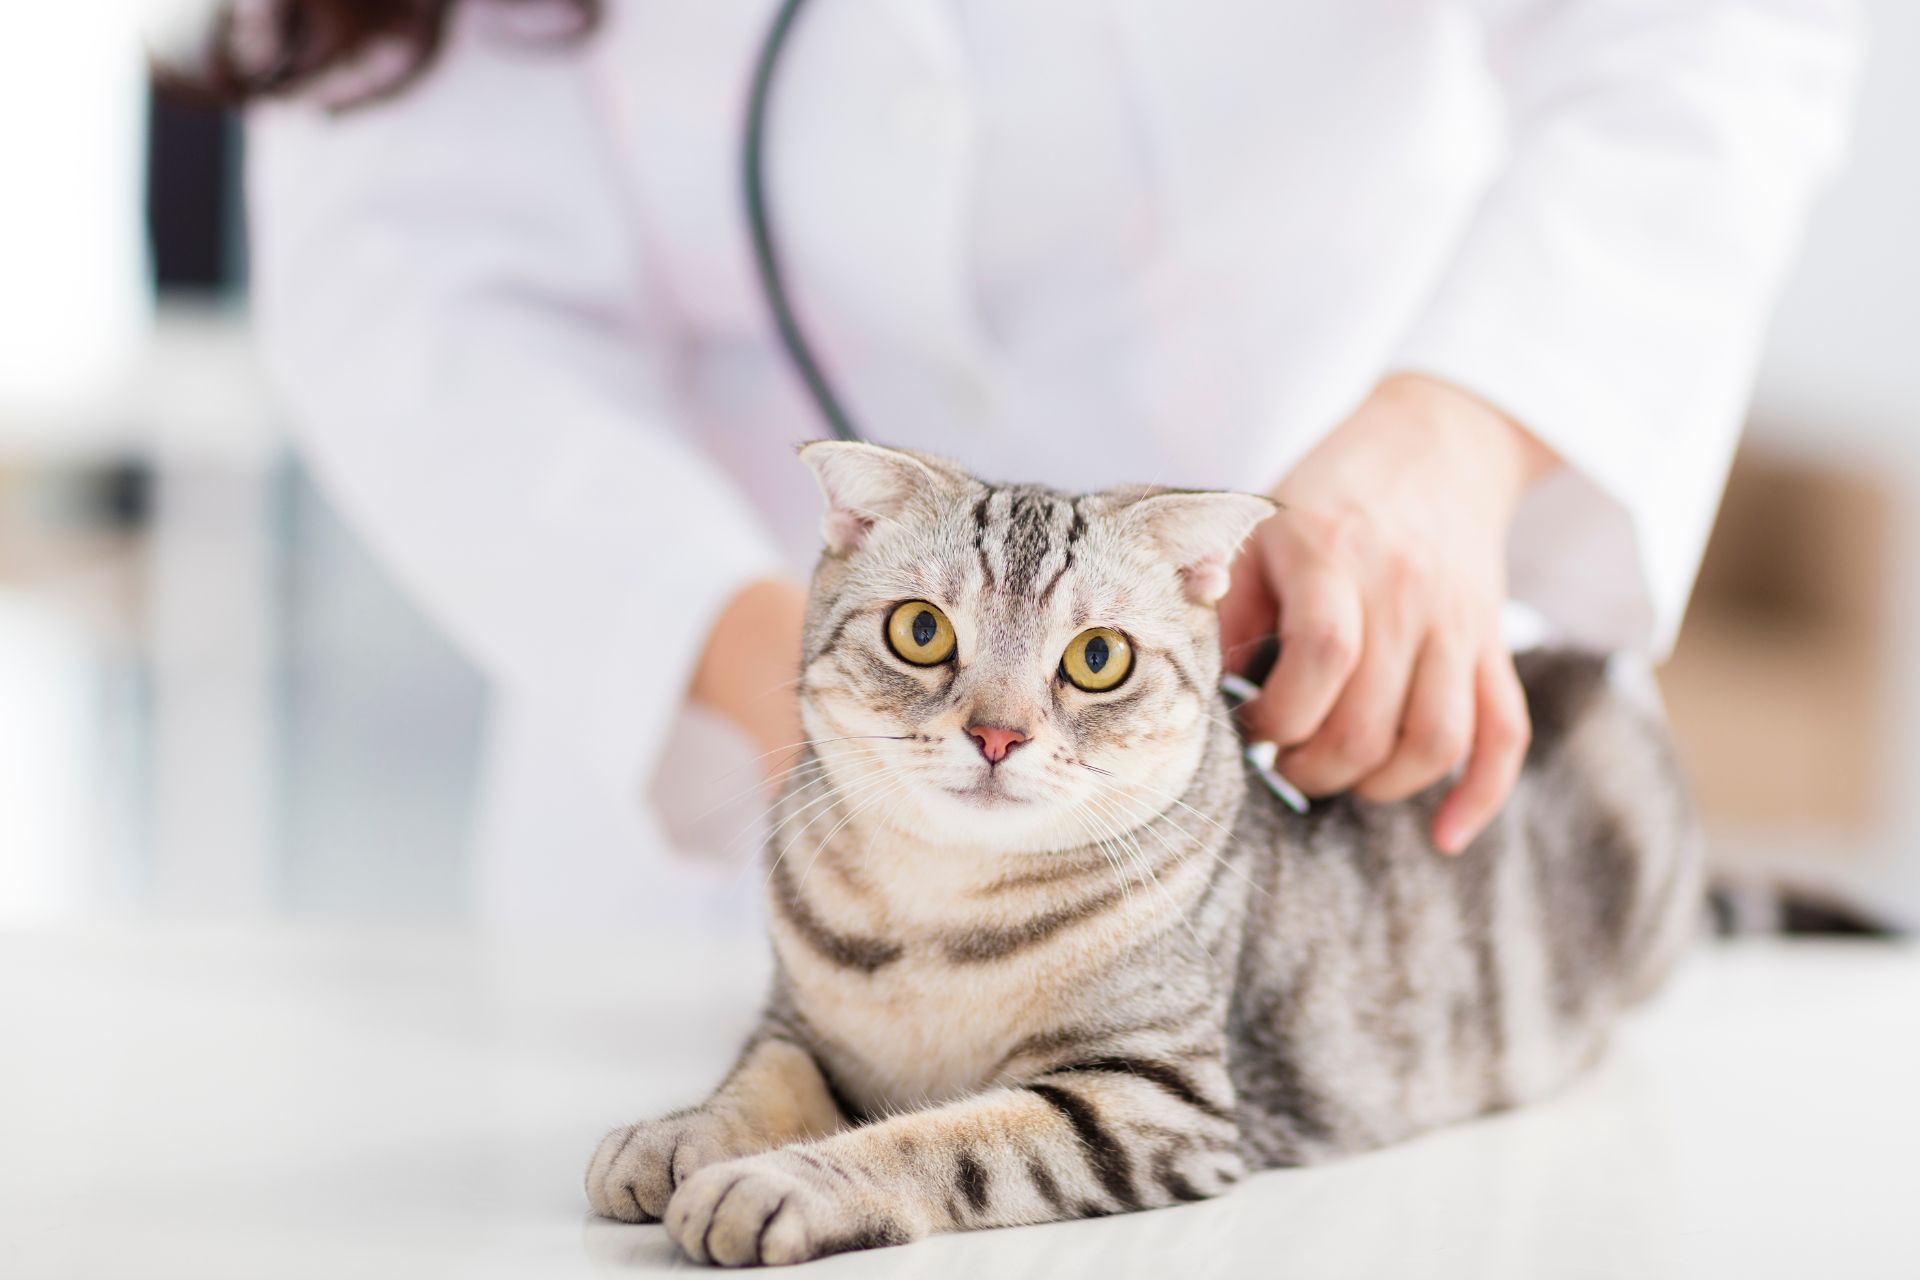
<point x="988" y="793"/>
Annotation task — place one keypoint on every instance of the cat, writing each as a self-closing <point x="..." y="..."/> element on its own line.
<point x="1044" y="953"/>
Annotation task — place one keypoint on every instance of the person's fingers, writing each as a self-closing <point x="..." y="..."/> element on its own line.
<point x="1359" y="733"/>
<point x="1320" y="647"/>
<point x="1438" y="728"/>
<point x="1246" y="612"/>
<point x="1501" y="733"/>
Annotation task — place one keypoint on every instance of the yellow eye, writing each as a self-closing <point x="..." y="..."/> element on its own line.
<point x="920" y="634"/>
<point x="1097" y="660"/>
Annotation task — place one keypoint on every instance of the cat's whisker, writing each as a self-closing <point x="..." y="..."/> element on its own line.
<point x="755" y="827"/>
<point x="901" y="792"/>
<point x="1114" y="843"/>
<point x="821" y="777"/>
<point x="778" y="688"/>
<point x="1138" y="856"/>
<point x="836" y="791"/>
<point x="860" y="786"/>
<point x="895" y="784"/>
<point x="1176" y="855"/>
<point x="1162" y="794"/>
<point x="816" y="766"/>
<point x="1092" y="839"/>
<point x="824" y="778"/>
<point x="1162" y="815"/>
<point x="886" y="821"/>
<point x="760" y="785"/>
<point x="1233" y="651"/>
<point x="1179" y="803"/>
<point x="816" y="742"/>
<point x="863" y="787"/>
<point x="1109" y="846"/>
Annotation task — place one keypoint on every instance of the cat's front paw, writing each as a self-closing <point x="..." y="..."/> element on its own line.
<point x="634" y="1173"/>
<point x="774" y="1209"/>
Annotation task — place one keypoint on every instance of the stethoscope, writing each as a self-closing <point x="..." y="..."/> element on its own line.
<point x="773" y="285"/>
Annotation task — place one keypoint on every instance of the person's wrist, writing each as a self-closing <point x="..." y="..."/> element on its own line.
<point x="1511" y="457"/>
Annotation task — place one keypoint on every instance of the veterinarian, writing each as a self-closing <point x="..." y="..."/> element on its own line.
<point x="1476" y="288"/>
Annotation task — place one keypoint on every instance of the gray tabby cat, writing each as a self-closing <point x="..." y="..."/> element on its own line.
<point x="1043" y="953"/>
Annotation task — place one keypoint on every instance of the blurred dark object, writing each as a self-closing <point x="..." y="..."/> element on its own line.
<point x="1744" y="910"/>
<point x="124" y="496"/>
<point x="193" y="204"/>
<point x="1777" y="685"/>
<point x="72" y="542"/>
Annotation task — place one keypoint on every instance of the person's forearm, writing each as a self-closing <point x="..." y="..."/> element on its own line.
<point x="748" y="669"/>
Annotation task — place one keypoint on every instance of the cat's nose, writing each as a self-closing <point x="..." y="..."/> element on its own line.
<point x="995" y="743"/>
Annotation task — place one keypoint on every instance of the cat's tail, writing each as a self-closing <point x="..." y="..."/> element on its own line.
<point x="1745" y="908"/>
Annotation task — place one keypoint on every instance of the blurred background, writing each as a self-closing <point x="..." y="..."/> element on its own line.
<point x="213" y="702"/>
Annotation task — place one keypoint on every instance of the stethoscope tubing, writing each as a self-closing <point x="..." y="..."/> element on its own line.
<point x="760" y="223"/>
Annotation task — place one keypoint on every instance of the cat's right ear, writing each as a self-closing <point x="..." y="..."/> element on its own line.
<point x="865" y="485"/>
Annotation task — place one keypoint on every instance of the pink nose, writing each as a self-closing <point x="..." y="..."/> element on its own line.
<point x="995" y="743"/>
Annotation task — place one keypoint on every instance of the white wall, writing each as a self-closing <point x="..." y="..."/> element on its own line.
<point x="1843" y="368"/>
<point x="1842" y="379"/>
<point x="74" y="303"/>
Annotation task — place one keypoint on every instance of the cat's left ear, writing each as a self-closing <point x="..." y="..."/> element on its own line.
<point x="866" y="484"/>
<point x="1201" y="533"/>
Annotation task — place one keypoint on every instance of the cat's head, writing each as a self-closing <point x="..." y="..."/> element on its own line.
<point x="1011" y="667"/>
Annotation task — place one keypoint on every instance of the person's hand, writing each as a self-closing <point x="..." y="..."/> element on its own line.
<point x="749" y="668"/>
<point x="1386" y="572"/>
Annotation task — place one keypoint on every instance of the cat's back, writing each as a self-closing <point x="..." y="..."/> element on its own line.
<point x="1385" y="989"/>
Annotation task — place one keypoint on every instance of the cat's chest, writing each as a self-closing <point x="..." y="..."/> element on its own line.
<point x="923" y="1029"/>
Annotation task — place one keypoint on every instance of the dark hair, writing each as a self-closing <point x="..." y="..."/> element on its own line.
<point x="283" y="46"/>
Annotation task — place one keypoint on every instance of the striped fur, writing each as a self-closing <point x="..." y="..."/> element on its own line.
<point x="1105" y="974"/>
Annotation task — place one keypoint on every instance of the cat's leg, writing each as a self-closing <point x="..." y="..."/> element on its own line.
<point x="774" y="1095"/>
<point x="1105" y="1137"/>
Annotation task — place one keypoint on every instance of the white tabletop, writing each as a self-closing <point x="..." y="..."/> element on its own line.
<point x="301" y="1102"/>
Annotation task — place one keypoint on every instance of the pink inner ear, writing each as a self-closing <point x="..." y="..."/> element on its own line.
<point x="1206" y="581"/>
<point x="844" y="530"/>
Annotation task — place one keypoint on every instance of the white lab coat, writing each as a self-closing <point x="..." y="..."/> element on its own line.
<point x="516" y="321"/>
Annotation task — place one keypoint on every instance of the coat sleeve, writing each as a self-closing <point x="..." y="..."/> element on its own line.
<point x="456" y="315"/>
<point x="1611" y="292"/>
